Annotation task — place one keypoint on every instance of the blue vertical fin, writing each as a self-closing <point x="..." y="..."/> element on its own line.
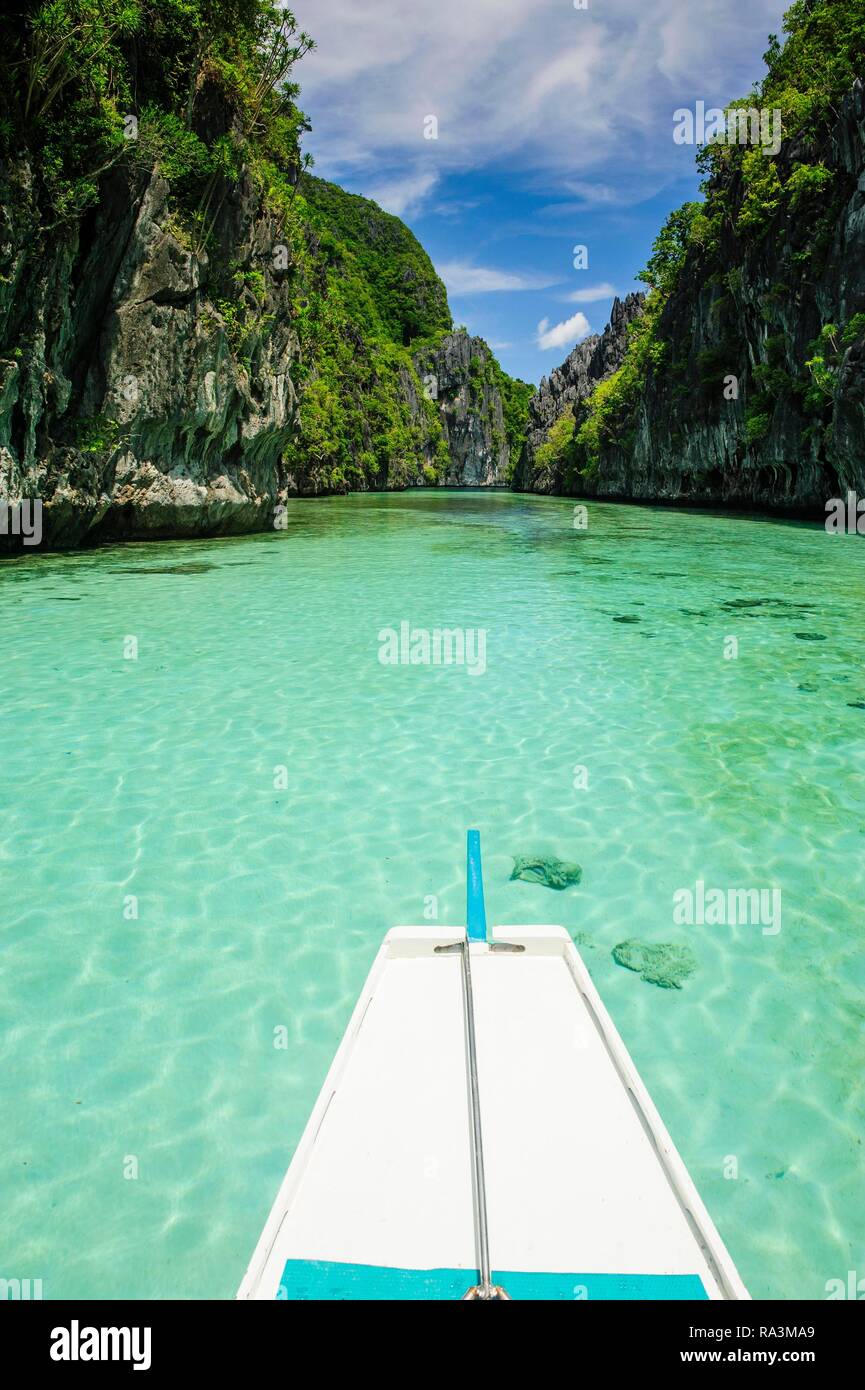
<point x="476" y="917"/>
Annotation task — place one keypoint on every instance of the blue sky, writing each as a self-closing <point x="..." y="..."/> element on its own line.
<point x="554" y="129"/>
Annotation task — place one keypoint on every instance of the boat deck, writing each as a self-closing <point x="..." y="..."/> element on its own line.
<point x="586" y="1194"/>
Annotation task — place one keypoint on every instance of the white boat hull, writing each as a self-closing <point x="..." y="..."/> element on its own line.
<point x="587" y="1196"/>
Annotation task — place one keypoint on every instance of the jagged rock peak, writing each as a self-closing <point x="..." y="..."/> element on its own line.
<point x="593" y="359"/>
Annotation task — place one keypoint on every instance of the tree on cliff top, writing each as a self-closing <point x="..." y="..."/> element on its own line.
<point x="80" y="76"/>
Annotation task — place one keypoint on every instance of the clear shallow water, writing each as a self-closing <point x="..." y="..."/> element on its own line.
<point x="261" y="907"/>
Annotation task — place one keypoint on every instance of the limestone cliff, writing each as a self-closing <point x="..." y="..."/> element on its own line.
<point x="760" y="397"/>
<point x="128" y="403"/>
<point x="743" y="381"/>
<point x="591" y="361"/>
<point x="192" y="327"/>
<point x="149" y="388"/>
<point x="457" y="375"/>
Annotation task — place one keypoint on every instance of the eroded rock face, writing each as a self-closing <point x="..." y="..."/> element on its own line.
<point x="459" y="374"/>
<point x="753" y="315"/>
<point x="138" y="405"/>
<point x="692" y="444"/>
<point x="150" y="388"/>
<point x="591" y="361"/>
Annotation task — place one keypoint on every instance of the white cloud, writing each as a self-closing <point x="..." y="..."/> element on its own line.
<point x="561" y="334"/>
<point x="594" y="195"/>
<point x="573" y="98"/>
<point x="590" y="295"/>
<point x="403" y="196"/>
<point x="455" y="207"/>
<point x="462" y="278"/>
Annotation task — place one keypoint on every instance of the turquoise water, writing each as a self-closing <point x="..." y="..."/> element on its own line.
<point x="147" y="1043"/>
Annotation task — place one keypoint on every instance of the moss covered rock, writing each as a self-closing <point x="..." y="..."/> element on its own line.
<point x="663" y="963"/>
<point x="547" y="870"/>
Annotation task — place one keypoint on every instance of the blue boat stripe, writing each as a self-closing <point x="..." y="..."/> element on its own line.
<point x="329" y="1281"/>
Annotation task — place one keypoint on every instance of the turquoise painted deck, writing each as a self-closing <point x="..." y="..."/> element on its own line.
<point x="332" y="1282"/>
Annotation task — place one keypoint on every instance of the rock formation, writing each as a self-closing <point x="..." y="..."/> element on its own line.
<point x="129" y="409"/>
<point x="153" y="388"/>
<point x="591" y="361"/>
<point x="458" y="374"/>
<point x="758" y="319"/>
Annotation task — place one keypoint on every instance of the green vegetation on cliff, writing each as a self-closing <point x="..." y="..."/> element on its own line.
<point x="368" y="291"/>
<point x="387" y="263"/>
<point x="806" y="79"/>
<point x="199" y="86"/>
<point x="515" y="396"/>
<point x="201" y="92"/>
<point x="607" y="415"/>
<point x="752" y="203"/>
